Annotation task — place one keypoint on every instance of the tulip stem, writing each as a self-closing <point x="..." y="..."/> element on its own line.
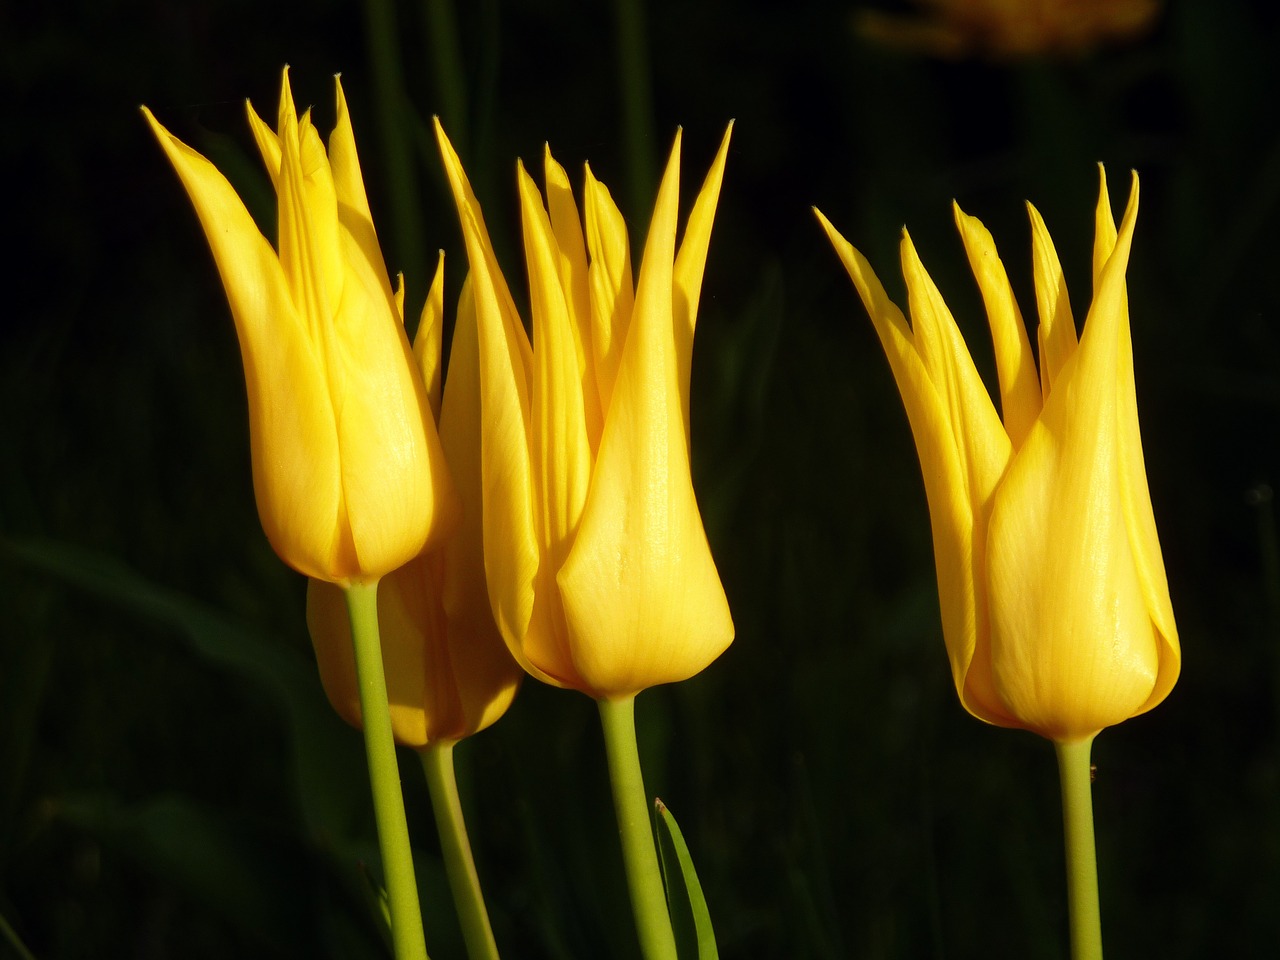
<point x="464" y="882"/>
<point x="1082" y="861"/>
<point x="639" y="853"/>
<point x="384" y="775"/>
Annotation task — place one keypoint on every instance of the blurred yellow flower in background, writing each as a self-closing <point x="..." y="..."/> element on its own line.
<point x="449" y="674"/>
<point x="1010" y="29"/>
<point x="599" y="571"/>
<point x="1055" y="606"/>
<point x="348" y="472"/>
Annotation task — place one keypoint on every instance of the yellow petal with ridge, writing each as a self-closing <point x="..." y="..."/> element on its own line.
<point x="1073" y="647"/>
<point x="559" y="443"/>
<point x="642" y="597"/>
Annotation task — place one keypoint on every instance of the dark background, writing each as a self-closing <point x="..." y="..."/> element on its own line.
<point x="171" y="782"/>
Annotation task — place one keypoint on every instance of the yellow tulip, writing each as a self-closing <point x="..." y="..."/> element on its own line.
<point x="348" y="472"/>
<point x="599" y="572"/>
<point x="449" y="674"/>
<point x="1055" y="607"/>
<point x="1008" y="29"/>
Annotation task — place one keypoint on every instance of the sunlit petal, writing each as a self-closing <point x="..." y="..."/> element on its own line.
<point x="642" y="597"/>
<point x="690" y="262"/>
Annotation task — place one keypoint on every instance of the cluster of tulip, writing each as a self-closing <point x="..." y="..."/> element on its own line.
<point x="536" y="513"/>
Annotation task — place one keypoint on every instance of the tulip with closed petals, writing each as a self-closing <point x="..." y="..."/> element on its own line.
<point x="599" y="571"/>
<point x="348" y="472"/>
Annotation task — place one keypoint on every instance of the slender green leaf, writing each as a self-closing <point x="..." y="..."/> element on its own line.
<point x="15" y="942"/>
<point x="695" y="940"/>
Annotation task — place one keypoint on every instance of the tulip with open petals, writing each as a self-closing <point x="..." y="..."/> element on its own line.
<point x="599" y="571"/>
<point x="348" y="472"/>
<point x="1055" y="607"/>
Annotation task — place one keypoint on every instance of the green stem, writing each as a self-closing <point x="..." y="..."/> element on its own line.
<point x="19" y="948"/>
<point x="1082" y="862"/>
<point x="639" y="855"/>
<point x="384" y="775"/>
<point x="464" y="882"/>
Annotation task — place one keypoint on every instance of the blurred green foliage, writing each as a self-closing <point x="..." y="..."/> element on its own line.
<point x="171" y="783"/>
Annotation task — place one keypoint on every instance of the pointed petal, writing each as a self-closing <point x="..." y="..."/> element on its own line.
<point x="560" y="449"/>
<point x="1137" y="497"/>
<point x="268" y="143"/>
<point x="642" y="597"/>
<point x="575" y="279"/>
<point x="1104" y="230"/>
<point x="1015" y="364"/>
<point x="1073" y="649"/>
<point x="980" y="438"/>
<point x="958" y="541"/>
<point x="1140" y="520"/>
<point x="399" y="495"/>
<point x="612" y="292"/>
<point x="690" y="263"/>
<point x="1057" y="330"/>
<point x="479" y="247"/>
<point x="510" y="541"/>
<point x="309" y="245"/>
<point x="348" y="185"/>
<point x="486" y="675"/>
<point x="428" y="341"/>
<point x="561" y="456"/>
<point x="250" y="269"/>
<point x="293" y="437"/>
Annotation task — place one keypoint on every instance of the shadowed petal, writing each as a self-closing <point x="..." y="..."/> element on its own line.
<point x="510" y="539"/>
<point x="1057" y="330"/>
<point x="1015" y="364"/>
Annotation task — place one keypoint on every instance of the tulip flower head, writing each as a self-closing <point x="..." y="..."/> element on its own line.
<point x="449" y="674"/>
<point x="599" y="572"/>
<point x="1055" y="606"/>
<point x="348" y="473"/>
